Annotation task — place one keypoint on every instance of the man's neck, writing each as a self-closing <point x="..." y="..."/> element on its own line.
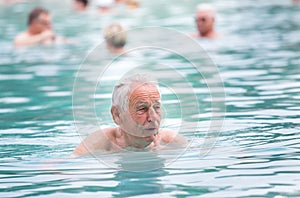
<point x="82" y="8"/>
<point x="133" y="141"/>
<point x="116" y="50"/>
<point x="208" y="34"/>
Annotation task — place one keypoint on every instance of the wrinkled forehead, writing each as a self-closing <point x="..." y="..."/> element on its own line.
<point x="144" y="93"/>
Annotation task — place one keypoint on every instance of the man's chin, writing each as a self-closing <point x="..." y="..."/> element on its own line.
<point x="151" y="137"/>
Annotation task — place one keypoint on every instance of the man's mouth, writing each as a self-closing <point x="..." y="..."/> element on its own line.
<point x="151" y="131"/>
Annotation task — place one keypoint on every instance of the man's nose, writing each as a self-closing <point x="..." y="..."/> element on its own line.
<point x="151" y="115"/>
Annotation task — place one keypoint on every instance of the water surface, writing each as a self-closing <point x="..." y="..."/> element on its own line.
<point x="257" y="152"/>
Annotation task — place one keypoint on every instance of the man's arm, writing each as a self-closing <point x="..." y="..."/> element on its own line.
<point x="98" y="140"/>
<point x="24" y="39"/>
<point x="169" y="136"/>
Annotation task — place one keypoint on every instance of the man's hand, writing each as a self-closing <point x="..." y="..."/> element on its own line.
<point x="47" y="37"/>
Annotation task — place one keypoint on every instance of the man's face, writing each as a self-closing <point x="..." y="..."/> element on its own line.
<point x="144" y="112"/>
<point x="44" y="22"/>
<point x="204" y="22"/>
<point x="78" y="5"/>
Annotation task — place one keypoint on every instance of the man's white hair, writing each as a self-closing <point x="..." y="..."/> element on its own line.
<point x="123" y="89"/>
<point x="205" y="7"/>
<point x="115" y="35"/>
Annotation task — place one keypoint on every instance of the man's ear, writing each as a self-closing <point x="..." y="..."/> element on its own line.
<point x="115" y="112"/>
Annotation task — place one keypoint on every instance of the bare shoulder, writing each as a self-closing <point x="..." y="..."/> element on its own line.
<point x="20" y="38"/>
<point x="99" y="140"/>
<point x="170" y="136"/>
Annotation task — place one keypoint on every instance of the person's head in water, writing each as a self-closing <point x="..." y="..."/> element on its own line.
<point x="205" y="19"/>
<point x="39" y="20"/>
<point x="136" y="108"/>
<point x="115" y="36"/>
<point x="39" y="30"/>
<point x="80" y="5"/>
<point x="105" y="6"/>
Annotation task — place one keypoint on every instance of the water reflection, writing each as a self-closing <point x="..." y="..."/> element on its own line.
<point x="258" y="149"/>
<point x="139" y="174"/>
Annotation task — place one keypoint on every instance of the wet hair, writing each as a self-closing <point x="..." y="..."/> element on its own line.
<point x="84" y="2"/>
<point x="123" y="89"/>
<point x="35" y="13"/>
<point x="204" y="7"/>
<point x="115" y="35"/>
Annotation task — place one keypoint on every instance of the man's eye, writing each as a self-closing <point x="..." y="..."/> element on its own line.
<point x="157" y="107"/>
<point x="141" y="109"/>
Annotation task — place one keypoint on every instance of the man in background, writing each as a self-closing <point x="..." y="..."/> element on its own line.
<point x="115" y="37"/>
<point x="105" y="6"/>
<point x="205" y="20"/>
<point x="80" y="5"/>
<point x="39" y="30"/>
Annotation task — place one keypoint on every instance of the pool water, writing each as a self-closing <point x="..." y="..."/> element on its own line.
<point x="256" y="153"/>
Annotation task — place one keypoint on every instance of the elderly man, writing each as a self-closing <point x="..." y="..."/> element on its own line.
<point x="115" y="37"/>
<point x="205" y="19"/>
<point x="39" y="30"/>
<point x="136" y="109"/>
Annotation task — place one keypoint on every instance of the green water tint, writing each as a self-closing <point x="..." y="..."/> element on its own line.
<point x="257" y="153"/>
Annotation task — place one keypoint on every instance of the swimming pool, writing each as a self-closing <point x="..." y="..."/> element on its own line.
<point x="257" y="152"/>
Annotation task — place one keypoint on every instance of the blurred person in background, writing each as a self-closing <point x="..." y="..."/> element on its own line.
<point x="105" y="6"/>
<point x="115" y="37"/>
<point x="120" y="1"/>
<point x="39" y="30"/>
<point x="132" y="4"/>
<point x="205" y="19"/>
<point x="80" y="5"/>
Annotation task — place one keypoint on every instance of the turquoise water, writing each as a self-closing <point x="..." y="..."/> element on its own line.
<point x="256" y="153"/>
